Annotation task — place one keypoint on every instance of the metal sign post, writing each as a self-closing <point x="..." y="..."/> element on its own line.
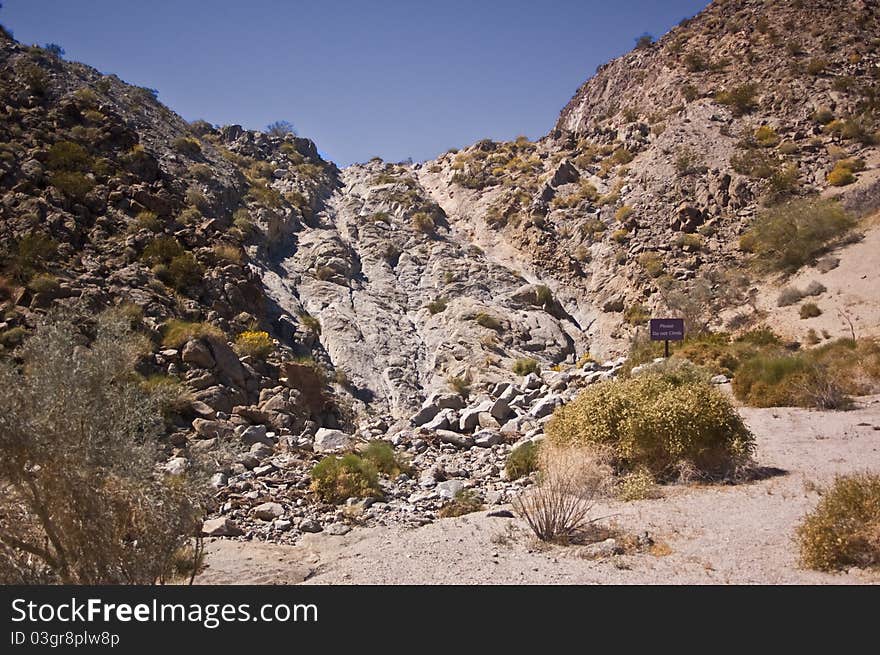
<point x="666" y="330"/>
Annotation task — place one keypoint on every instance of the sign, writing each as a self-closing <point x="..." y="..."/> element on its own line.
<point x="666" y="330"/>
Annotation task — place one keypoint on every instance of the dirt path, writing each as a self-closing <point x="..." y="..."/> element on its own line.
<point x="710" y="534"/>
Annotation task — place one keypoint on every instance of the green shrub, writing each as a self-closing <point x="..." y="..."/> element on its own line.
<point x="336" y="479"/>
<point x="423" y="222"/>
<point x="309" y="322"/>
<point x="652" y="263"/>
<point x="254" y="343"/>
<point x="766" y="136"/>
<point x="72" y="184"/>
<point x="637" y="485"/>
<point x="147" y="220"/>
<point x="740" y="99"/>
<point x="43" y="283"/>
<point x="437" y="306"/>
<point x="161" y="250"/>
<point x="810" y="310"/>
<point x="12" y="337"/>
<point x="841" y="175"/>
<point x="176" y="333"/>
<point x="522" y="461"/>
<point x="29" y="255"/>
<point x="460" y="385"/>
<point x="525" y="366"/>
<point x="649" y="423"/>
<point x="488" y="321"/>
<point x="788" y="236"/>
<point x="636" y="314"/>
<point x="465" y="502"/>
<point x="817" y="66"/>
<point x="185" y="271"/>
<point x="67" y="156"/>
<point x="381" y="454"/>
<point x="224" y="252"/>
<point x="187" y="146"/>
<point x="844" y="529"/>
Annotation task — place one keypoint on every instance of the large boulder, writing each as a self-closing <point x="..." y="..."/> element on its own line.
<point x="196" y="353"/>
<point x="329" y="441"/>
<point x="221" y="527"/>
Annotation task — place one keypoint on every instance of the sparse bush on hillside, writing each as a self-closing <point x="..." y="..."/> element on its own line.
<point x="843" y="173"/>
<point x="74" y="185"/>
<point x="766" y="136"/>
<point x="636" y="314"/>
<point x="280" y="128"/>
<point x="227" y="253"/>
<point x="788" y="236"/>
<point x="488" y="321"/>
<point x="44" y="283"/>
<point x="740" y="99"/>
<point x="437" y="306"/>
<point x="810" y="310"/>
<point x="525" y="366"/>
<point x="176" y="333"/>
<point x="336" y="479"/>
<point x="187" y="146"/>
<point x="381" y="454"/>
<point x="844" y="529"/>
<point x="651" y="423"/>
<point x="309" y="322"/>
<point x="254" y="343"/>
<point x="82" y="502"/>
<point x="423" y="222"/>
<point x="460" y="384"/>
<point x="28" y="256"/>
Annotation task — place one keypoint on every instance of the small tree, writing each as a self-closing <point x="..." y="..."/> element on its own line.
<point x="82" y="500"/>
<point x="281" y="128"/>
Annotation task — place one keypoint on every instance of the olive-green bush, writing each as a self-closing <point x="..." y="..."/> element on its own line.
<point x="336" y="479"/>
<point x="650" y="422"/>
<point x="844" y="529"/>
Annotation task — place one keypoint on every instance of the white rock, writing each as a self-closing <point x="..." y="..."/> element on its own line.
<point x="327" y="441"/>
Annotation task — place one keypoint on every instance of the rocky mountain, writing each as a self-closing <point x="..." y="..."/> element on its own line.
<point x="401" y="297"/>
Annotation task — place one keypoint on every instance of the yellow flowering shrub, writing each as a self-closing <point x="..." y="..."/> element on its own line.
<point x="844" y="529"/>
<point x="656" y="424"/>
<point x="254" y="343"/>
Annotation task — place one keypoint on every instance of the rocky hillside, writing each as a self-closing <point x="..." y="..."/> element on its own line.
<point x="286" y="300"/>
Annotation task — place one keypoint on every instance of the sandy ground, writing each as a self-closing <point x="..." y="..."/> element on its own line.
<point x="705" y="534"/>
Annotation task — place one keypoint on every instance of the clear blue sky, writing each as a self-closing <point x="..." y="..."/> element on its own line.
<point x="393" y="78"/>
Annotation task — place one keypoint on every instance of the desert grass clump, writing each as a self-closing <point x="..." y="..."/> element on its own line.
<point x="227" y="253"/>
<point x="522" y="461"/>
<point x="788" y="236"/>
<point x="740" y="100"/>
<point x="438" y="306"/>
<point x="789" y="296"/>
<point x="559" y="505"/>
<point x="525" y="366"/>
<point x="844" y="529"/>
<point x="187" y="146"/>
<point x="336" y="479"/>
<point x="82" y="501"/>
<point x="488" y="321"/>
<point x="638" y="485"/>
<point x="465" y="501"/>
<point x="176" y="333"/>
<point x="254" y="343"/>
<point x="652" y="423"/>
<point x="460" y="384"/>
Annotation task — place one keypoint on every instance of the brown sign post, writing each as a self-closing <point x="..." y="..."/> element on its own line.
<point x="666" y="330"/>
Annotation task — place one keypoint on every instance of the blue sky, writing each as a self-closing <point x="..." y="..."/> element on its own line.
<point x="394" y="78"/>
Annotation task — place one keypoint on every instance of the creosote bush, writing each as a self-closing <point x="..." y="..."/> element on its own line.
<point x="654" y="423"/>
<point x="810" y="310"/>
<point x="83" y="502"/>
<point x="844" y="529"/>
<point x="336" y="479"/>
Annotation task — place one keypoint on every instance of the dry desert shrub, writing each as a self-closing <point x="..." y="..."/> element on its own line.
<point x="844" y="529"/>
<point x="559" y="505"/>
<point x="83" y="500"/>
